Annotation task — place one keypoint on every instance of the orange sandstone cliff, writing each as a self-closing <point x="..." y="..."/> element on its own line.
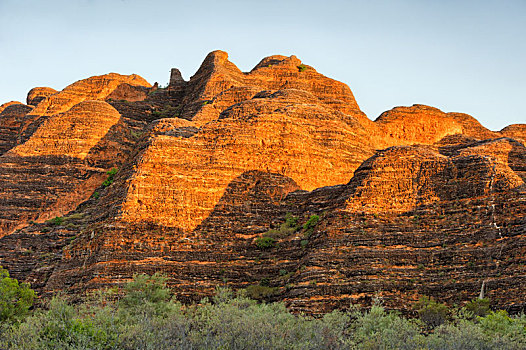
<point x="417" y="202"/>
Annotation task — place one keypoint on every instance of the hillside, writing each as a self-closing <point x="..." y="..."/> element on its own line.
<point x="417" y="202"/>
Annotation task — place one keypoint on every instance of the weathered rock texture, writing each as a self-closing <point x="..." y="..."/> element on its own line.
<point x="515" y="131"/>
<point x="38" y="94"/>
<point x="52" y="162"/>
<point x="12" y="121"/>
<point x="417" y="202"/>
<point x="94" y="88"/>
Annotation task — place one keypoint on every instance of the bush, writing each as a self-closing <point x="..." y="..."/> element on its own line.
<point x="478" y="307"/>
<point x="260" y="292"/>
<point x="57" y="221"/>
<point x="310" y="225"/>
<point x="433" y="314"/>
<point x="302" y="67"/>
<point x="499" y="326"/>
<point x="265" y="242"/>
<point x="167" y="111"/>
<point x="111" y="174"/>
<point x="146" y="294"/>
<point x="378" y="329"/>
<point x="147" y="317"/>
<point x="15" y="299"/>
<point x="285" y="229"/>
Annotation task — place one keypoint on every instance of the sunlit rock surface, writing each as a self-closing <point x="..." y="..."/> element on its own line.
<point x="417" y="202"/>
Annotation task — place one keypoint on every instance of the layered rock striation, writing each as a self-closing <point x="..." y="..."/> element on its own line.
<point x="57" y="153"/>
<point x="417" y="202"/>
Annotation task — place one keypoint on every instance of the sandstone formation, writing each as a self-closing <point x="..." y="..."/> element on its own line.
<point x="515" y="131"/>
<point x="52" y="162"/>
<point x="38" y="94"/>
<point x="290" y="135"/>
<point x="402" y="178"/>
<point x="7" y="104"/>
<point x="73" y="133"/>
<point x="417" y="202"/>
<point x="94" y="88"/>
<point x="12" y="121"/>
<point x="420" y="124"/>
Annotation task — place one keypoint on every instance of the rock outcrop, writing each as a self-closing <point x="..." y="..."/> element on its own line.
<point x="420" y="124"/>
<point x="12" y="122"/>
<point x="417" y="202"/>
<point x="7" y="104"/>
<point x="94" y="88"/>
<point x="515" y="131"/>
<point x="403" y="178"/>
<point x="57" y="154"/>
<point x="38" y="94"/>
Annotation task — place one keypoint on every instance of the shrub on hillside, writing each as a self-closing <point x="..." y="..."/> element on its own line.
<point x="15" y="299"/>
<point x="433" y="314"/>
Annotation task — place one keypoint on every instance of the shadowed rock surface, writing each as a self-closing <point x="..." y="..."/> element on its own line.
<point x="417" y="202"/>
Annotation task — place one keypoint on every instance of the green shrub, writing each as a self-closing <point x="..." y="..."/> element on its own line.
<point x="259" y="292"/>
<point x="147" y="318"/>
<point x="433" y="314"/>
<point x="146" y="292"/>
<point x="57" y="221"/>
<point x="111" y="174"/>
<point x="285" y="229"/>
<point x="478" y="307"/>
<point x="499" y="325"/>
<point x="302" y="67"/>
<point x="310" y="225"/>
<point x="378" y="329"/>
<point x="15" y="299"/>
<point x="168" y="111"/>
<point x="265" y="242"/>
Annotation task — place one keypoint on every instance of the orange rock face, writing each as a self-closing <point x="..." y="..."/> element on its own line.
<point x="73" y="133"/>
<point x="94" y="88"/>
<point x="38" y="94"/>
<point x="12" y="121"/>
<point x="416" y="202"/>
<point x="420" y="124"/>
<point x="57" y="153"/>
<point x="515" y="131"/>
<point x="311" y="144"/>
<point x="400" y="179"/>
<point x="7" y="104"/>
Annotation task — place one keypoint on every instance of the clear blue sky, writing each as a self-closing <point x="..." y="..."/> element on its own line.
<point x="462" y="56"/>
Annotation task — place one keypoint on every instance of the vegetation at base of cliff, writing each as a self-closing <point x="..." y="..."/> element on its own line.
<point x="15" y="299"/>
<point x="144" y="315"/>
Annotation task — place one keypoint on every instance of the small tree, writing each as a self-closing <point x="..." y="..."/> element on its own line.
<point x="147" y="293"/>
<point x="15" y="298"/>
<point x="433" y="314"/>
<point x="478" y="307"/>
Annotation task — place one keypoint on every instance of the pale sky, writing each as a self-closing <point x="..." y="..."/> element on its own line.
<point x="459" y="56"/>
